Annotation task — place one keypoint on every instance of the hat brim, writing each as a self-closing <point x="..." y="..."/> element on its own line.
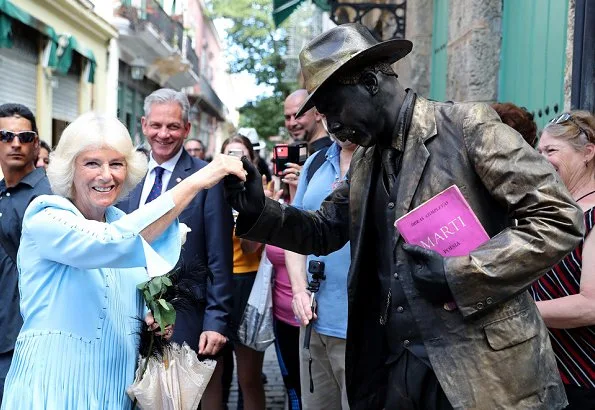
<point x="389" y="51"/>
<point x="258" y="146"/>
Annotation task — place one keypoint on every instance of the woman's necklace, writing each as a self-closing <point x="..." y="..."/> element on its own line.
<point x="587" y="194"/>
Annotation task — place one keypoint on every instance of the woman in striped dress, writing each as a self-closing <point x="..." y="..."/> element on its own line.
<point x="565" y="295"/>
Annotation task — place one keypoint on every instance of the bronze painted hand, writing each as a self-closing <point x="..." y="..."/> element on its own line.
<point x="428" y="273"/>
<point x="245" y="197"/>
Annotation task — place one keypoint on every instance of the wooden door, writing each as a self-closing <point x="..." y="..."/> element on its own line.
<point x="533" y="56"/>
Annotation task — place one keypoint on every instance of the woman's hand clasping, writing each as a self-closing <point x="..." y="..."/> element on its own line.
<point x="154" y="327"/>
<point x="269" y="189"/>
<point x="219" y="167"/>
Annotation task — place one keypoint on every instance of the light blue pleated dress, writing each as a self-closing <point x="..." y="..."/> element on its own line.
<point x="78" y="347"/>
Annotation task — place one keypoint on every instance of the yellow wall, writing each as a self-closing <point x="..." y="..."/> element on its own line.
<point x="91" y="32"/>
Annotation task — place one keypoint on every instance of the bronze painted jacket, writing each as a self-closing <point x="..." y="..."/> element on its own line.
<point x="493" y="352"/>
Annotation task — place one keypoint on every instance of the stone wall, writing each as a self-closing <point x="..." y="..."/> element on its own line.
<point x="414" y="70"/>
<point x="474" y="41"/>
<point x="569" y="55"/>
<point x="473" y="49"/>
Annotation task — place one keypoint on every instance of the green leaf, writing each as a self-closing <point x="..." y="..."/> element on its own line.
<point x="140" y="286"/>
<point x="254" y="44"/>
<point x="155" y="286"/>
<point x="158" y="318"/>
<point x="265" y="114"/>
<point x="168" y="317"/>
<point x="163" y="303"/>
<point x="163" y="311"/>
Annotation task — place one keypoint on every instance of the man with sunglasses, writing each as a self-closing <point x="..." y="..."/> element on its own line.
<point x="19" y="147"/>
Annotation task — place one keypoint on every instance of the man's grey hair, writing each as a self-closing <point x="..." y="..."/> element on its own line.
<point x="167" y="95"/>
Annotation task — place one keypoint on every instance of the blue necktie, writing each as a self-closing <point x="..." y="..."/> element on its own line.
<point x="157" y="185"/>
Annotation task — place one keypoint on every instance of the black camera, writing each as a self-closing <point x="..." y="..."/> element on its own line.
<point x="316" y="268"/>
<point x="296" y="153"/>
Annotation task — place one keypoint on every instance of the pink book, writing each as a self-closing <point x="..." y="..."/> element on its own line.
<point x="444" y="223"/>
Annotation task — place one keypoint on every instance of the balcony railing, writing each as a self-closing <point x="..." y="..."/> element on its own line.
<point x="171" y="30"/>
<point x="210" y="96"/>
<point x="191" y="55"/>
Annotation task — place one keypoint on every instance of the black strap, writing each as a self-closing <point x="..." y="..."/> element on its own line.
<point x="316" y="163"/>
<point x="586" y="195"/>
<point x="310" y="373"/>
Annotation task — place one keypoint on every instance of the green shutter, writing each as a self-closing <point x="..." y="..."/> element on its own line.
<point x="138" y="113"/>
<point x="9" y="12"/>
<point x="439" y="51"/>
<point x="533" y="56"/>
<point x="282" y="9"/>
<point x="121" y="90"/>
<point x="62" y="46"/>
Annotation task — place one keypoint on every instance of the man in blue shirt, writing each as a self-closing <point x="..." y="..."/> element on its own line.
<point x="327" y="343"/>
<point x="19" y="147"/>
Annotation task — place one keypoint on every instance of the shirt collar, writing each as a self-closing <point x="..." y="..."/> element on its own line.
<point x="397" y="141"/>
<point x="320" y="143"/>
<point x="403" y="121"/>
<point x="333" y="150"/>
<point x="168" y="165"/>
<point x="31" y="179"/>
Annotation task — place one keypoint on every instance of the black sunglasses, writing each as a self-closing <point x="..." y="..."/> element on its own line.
<point x="25" y="137"/>
<point x="564" y="117"/>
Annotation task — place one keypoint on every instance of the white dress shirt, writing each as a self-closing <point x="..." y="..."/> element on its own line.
<point x="168" y="167"/>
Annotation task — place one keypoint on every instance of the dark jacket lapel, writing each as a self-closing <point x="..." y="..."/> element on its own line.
<point x="416" y="155"/>
<point x="134" y="196"/>
<point x="182" y="170"/>
<point x="359" y="192"/>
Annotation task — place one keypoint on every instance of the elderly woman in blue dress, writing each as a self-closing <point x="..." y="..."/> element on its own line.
<point x="80" y="260"/>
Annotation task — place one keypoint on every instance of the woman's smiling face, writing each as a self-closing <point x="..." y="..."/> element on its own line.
<point x="98" y="178"/>
<point x="568" y="162"/>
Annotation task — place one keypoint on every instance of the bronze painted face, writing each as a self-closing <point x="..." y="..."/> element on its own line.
<point x="353" y="111"/>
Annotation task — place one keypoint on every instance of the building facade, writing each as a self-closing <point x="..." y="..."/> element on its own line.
<point x="538" y="54"/>
<point x="497" y="50"/>
<point x="210" y="116"/>
<point x="54" y="59"/>
<point x="168" y="44"/>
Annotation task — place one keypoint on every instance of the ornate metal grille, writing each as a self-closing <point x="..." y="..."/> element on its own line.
<point x="385" y="21"/>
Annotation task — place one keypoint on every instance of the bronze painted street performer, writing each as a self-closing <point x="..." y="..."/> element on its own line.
<point x="406" y="347"/>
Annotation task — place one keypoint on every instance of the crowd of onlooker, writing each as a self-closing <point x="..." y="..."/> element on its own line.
<point x="70" y="261"/>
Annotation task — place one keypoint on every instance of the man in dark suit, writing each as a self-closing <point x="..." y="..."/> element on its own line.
<point x="166" y="126"/>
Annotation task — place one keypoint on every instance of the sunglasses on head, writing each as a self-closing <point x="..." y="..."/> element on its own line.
<point x="25" y="137"/>
<point x="565" y="117"/>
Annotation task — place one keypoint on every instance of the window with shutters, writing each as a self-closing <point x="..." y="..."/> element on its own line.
<point x="18" y="68"/>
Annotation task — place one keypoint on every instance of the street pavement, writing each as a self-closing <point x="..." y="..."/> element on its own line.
<point x="274" y="389"/>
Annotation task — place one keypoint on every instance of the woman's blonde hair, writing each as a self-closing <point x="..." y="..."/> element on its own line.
<point x="93" y="131"/>
<point x="576" y="127"/>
